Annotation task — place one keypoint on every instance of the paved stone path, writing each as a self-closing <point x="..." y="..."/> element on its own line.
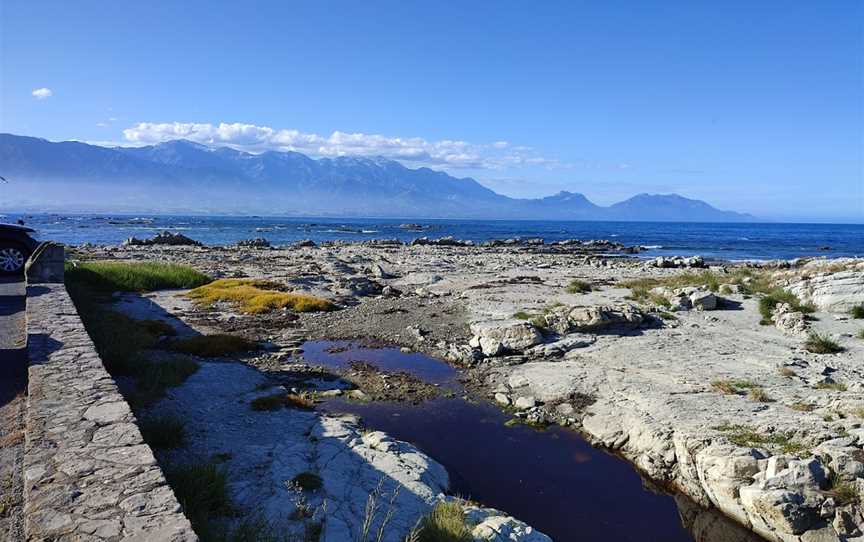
<point x="13" y="382"/>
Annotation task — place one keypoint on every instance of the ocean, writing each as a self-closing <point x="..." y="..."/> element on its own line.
<point x="725" y="241"/>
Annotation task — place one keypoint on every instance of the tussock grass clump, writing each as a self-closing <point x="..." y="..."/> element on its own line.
<point x="577" y="286"/>
<point x="776" y="296"/>
<point x="307" y="481"/>
<point x="134" y="276"/>
<point x="861" y="334"/>
<point x="821" y="344"/>
<point x="857" y="311"/>
<point x="759" y="395"/>
<point x="781" y="441"/>
<point x="733" y="387"/>
<point x="282" y="400"/>
<point x="843" y="492"/>
<point x="445" y="523"/>
<point x="786" y="372"/>
<point x="802" y="406"/>
<point x="202" y="490"/>
<point x="522" y="315"/>
<point x="835" y="386"/>
<point x="166" y="432"/>
<point x="257" y="296"/>
<point x="212" y="346"/>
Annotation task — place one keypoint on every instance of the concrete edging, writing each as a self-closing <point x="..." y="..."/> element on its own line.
<point x="88" y="475"/>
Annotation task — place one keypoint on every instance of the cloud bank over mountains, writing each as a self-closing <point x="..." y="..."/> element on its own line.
<point x="253" y="138"/>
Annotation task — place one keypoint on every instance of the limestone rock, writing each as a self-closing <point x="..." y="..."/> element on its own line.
<point x="599" y="317"/>
<point x="499" y="337"/>
<point x="832" y="292"/>
<point x="790" y="321"/>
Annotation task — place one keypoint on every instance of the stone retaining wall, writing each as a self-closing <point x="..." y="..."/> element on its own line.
<point x="88" y="475"/>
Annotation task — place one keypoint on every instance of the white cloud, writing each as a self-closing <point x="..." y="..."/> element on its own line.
<point x="42" y="93"/>
<point x="415" y="150"/>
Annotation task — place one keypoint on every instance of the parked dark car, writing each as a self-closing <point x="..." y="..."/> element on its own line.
<point x="16" y="245"/>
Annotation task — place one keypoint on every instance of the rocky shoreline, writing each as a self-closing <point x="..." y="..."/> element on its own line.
<point x="684" y="381"/>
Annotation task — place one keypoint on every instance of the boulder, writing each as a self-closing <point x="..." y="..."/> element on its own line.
<point x="524" y="403"/>
<point x="600" y="317"/>
<point x="703" y="300"/>
<point x="499" y="337"/>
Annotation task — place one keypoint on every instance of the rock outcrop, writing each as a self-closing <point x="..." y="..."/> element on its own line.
<point x="832" y="292"/>
<point x="163" y="238"/>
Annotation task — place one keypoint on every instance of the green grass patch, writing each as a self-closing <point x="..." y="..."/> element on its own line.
<point x="857" y="311"/>
<point x="257" y="296"/>
<point x="282" y="400"/>
<point x="802" y="406"/>
<point x="165" y="432"/>
<point x="666" y="315"/>
<point x="522" y="315"/>
<point x="861" y="334"/>
<point x="445" y="523"/>
<point x="821" y="344"/>
<point x="577" y="286"/>
<point x="212" y="346"/>
<point x="777" y="442"/>
<point x="202" y="490"/>
<point x="134" y="276"/>
<point x="749" y="281"/>
<point x="776" y="296"/>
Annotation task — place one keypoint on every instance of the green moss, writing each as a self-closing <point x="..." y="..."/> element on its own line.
<point x="134" y="276"/>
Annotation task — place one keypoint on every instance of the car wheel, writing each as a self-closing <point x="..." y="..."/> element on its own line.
<point x="12" y="259"/>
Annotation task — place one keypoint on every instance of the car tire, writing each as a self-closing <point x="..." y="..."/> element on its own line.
<point x="12" y="258"/>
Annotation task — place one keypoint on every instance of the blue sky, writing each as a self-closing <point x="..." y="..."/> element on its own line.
<point x="752" y="106"/>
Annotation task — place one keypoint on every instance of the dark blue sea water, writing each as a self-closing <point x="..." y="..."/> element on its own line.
<point x="759" y="241"/>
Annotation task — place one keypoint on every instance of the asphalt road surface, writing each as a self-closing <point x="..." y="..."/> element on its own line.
<point x="12" y="339"/>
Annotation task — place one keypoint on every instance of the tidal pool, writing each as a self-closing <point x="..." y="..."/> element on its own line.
<point x="552" y="479"/>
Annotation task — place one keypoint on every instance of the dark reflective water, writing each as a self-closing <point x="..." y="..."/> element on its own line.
<point x="551" y="479"/>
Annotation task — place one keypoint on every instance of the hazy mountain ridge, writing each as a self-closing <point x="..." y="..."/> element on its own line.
<point x="181" y="175"/>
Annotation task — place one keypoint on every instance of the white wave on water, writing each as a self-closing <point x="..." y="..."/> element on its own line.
<point x="652" y="247"/>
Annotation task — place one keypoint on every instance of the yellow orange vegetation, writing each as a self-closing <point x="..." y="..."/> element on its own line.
<point x="257" y="296"/>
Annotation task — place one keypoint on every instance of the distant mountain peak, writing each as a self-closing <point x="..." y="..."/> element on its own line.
<point x="191" y="176"/>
